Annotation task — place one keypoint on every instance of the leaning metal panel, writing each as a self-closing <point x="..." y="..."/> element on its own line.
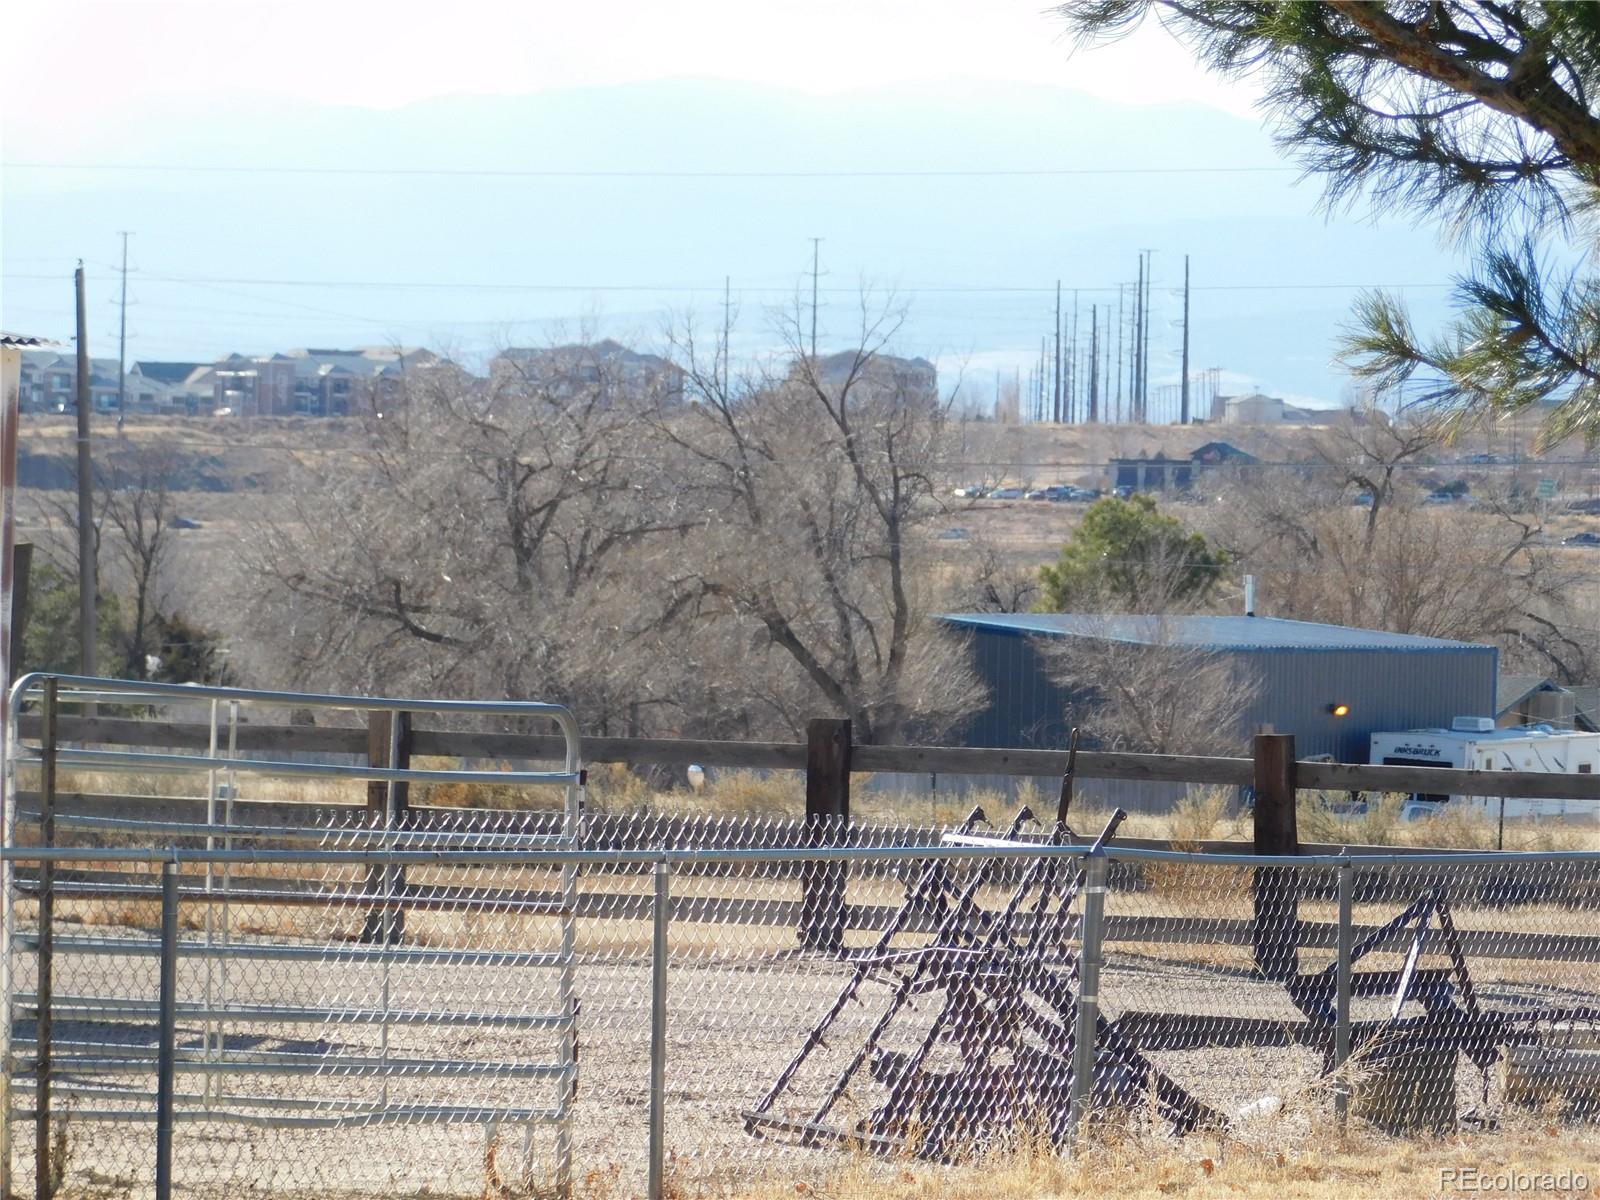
<point x="431" y="1002"/>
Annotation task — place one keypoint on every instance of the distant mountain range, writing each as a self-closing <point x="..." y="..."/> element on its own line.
<point x="262" y="258"/>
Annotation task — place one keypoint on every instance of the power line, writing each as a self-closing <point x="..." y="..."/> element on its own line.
<point x="584" y="173"/>
<point x="712" y="288"/>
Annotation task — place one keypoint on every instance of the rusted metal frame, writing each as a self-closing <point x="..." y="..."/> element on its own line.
<point x="998" y="928"/>
<point x="932" y="876"/>
<point x="952" y="921"/>
<point x="1002" y="1025"/>
<point x="1458" y="960"/>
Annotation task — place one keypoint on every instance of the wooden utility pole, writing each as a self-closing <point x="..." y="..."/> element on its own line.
<point x="122" y="340"/>
<point x="87" y="582"/>
<point x="1183" y="404"/>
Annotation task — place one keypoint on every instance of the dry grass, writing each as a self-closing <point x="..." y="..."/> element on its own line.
<point x="1326" y="1166"/>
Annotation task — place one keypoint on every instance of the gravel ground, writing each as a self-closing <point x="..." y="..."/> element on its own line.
<point x="740" y="1002"/>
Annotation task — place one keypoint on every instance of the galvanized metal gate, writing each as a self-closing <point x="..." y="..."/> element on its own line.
<point x="303" y="999"/>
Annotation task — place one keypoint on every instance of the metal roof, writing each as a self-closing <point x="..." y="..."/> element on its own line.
<point x="1511" y="690"/>
<point x="1208" y="632"/>
<point x="22" y="339"/>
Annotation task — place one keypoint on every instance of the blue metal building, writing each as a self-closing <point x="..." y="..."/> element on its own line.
<point x="1388" y="681"/>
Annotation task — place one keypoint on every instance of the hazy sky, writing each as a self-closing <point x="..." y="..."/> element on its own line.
<point x="257" y="262"/>
<point x="398" y="51"/>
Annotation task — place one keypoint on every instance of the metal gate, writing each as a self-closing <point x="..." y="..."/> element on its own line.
<point x="357" y="992"/>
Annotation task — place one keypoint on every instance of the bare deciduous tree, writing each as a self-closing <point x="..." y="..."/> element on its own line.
<point x="135" y="503"/>
<point x="815" y="483"/>
<point x="1352" y="540"/>
<point x="1157" y="694"/>
<point x="136" y="509"/>
<point x="735" y="564"/>
<point x="475" y="545"/>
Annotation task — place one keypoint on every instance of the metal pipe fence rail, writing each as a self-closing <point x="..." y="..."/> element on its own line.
<point x="1061" y="1020"/>
<point x="92" y="1036"/>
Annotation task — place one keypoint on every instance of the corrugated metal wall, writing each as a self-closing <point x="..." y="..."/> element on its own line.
<point x="1385" y="689"/>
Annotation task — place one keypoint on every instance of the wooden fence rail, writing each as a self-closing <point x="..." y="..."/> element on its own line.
<point x="821" y="913"/>
<point x="792" y="756"/>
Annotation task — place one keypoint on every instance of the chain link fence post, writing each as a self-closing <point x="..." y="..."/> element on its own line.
<point x="660" y="914"/>
<point x="167" y="1045"/>
<point x="1090" y="944"/>
<point x="1341" y="1028"/>
<point x="44" y="1185"/>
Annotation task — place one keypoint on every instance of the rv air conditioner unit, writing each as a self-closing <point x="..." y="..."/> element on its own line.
<point x="1473" y="725"/>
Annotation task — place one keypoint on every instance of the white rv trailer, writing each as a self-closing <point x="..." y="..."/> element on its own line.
<point x="1473" y="743"/>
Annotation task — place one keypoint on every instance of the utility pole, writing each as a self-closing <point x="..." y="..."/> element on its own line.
<point x="1094" y="363"/>
<point x="87" y="583"/>
<point x="1073" y="383"/>
<point x="1042" y="409"/>
<point x="1183" y="404"/>
<point x="1055" y="407"/>
<point x="1133" y="350"/>
<point x="1105" y="374"/>
<point x="816" y="261"/>
<point x="1122" y="295"/>
<point x="1144" y="348"/>
<point x="122" y="340"/>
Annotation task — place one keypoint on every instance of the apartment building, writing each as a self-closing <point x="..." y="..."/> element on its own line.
<point x="605" y="367"/>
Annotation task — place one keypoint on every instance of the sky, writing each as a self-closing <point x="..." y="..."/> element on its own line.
<point x="398" y="51"/>
<point x="258" y="262"/>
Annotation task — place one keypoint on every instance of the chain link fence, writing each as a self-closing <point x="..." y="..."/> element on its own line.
<point x="223" y="980"/>
<point x="811" y="1007"/>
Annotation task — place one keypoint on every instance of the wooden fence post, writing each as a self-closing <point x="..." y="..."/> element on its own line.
<point x="388" y="745"/>
<point x="1275" y="890"/>
<point x="21" y="568"/>
<point x="827" y="823"/>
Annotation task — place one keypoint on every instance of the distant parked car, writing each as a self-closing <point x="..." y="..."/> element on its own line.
<point x="954" y="534"/>
<point x="1122" y="491"/>
<point x="1586" y="538"/>
<point x="969" y="491"/>
<point x="184" y="523"/>
<point x="1006" y="493"/>
<point x="1441" y="497"/>
<point x="1040" y="494"/>
<point x="1481" y="459"/>
<point x="1362" y="500"/>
